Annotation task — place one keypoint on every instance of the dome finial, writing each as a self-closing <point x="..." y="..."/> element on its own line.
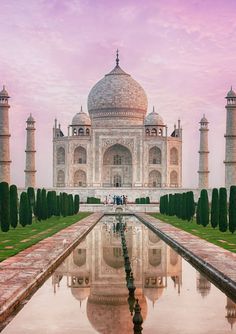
<point x="81" y="109"/>
<point x="117" y="57"/>
<point x="153" y="109"/>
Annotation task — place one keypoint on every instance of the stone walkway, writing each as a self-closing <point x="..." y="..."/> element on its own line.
<point x="217" y="263"/>
<point x="23" y="273"/>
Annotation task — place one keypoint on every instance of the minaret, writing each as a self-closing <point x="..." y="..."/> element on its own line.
<point x="4" y="137"/>
<point x="203" y="171"/>
<point x="30" y="154"/>
<point x="230" y="140"/>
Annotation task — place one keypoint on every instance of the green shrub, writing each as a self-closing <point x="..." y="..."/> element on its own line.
<point x="31" y="196"/>
<point x="76" y="203"/>
<point x="232" y="209"/>
<point x="24" y="209"/>
<point x="38" y="205"/>
<point x="147" y="200"/>
<point x="44" y="208"/>
<point x="13" y="206"/>
<point x="215" y="208"/>
<point x="4" y="207"/>
<point x="198" y="213"/>
<point x="204" y="213"/>
<point x="223" y="210"/>
<point x="190" y="209"/>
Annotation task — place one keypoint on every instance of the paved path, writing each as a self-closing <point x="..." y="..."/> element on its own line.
<point x="218" y="263"/>
<point x="21" y="274"/>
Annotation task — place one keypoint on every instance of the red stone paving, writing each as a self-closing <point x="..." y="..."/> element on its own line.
<point x="220" y="259"/>
<point x="22" y="273"/>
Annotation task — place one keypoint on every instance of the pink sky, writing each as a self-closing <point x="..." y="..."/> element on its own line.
<point x="183" y="53"/>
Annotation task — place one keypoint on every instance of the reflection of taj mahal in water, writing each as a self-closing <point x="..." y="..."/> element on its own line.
<point x="95" y="270"/>
<point x="95" y="274"/>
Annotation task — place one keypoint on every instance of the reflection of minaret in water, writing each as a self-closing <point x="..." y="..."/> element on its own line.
<point x="231" y="312"/>
<point x="203" y="285"/>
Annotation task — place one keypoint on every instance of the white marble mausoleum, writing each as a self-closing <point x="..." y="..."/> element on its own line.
<point x="117" y="144"/>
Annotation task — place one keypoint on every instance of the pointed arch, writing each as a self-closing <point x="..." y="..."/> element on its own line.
<point x="80" y="155"/>
<point x="174" y="156"/>
<point x="60" y="156"/>
<point x="173" y="179"/>
<point x="155" y="179"/>
<point x="154" y="132"/>
<point x="155" y="155"/>
<point x="60" y="178"/>
<point x="80" y="178"/>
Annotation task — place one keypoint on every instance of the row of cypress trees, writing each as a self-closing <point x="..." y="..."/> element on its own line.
<point x="179" y="204"/>
<point x="45" y="205"/>
<point x="219" y="214"/>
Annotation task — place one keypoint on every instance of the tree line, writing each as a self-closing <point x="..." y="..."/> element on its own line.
<point x="220" y="213"/>
<point x="42" y="205"/>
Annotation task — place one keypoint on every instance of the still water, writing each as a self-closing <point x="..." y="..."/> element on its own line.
<point x="87" y="293"/>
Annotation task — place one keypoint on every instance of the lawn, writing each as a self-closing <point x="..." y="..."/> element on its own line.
<point x="15" y="240"/>
<point x="225" y="240"/>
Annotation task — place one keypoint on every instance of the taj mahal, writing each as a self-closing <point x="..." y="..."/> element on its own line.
<point x="117" y="144"/>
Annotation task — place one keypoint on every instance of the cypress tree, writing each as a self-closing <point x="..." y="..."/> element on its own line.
<point x="204" y="213"/>
<point x="170" y="205"/>
<point x="38" y="205"/>
<point x="4" y="207"/>
<point x="76" y="204"/>
<point x="44" y="204"/>
<point x="215" y="208"/>
<point x="24" y="209"/>
<point x="29" y="222"/>
<point x="58" y="213"/>
<point x="49" y="204"/>
<point x="13" y="206"/>
<point x="232" y="209"/>
<point x="223" y="210"/>
<point x="54" y="203"/>
<point x="184" y="206"/>
<point x="178" y="205"/>
<point x="31" y="196"/>
<point x="61" y="204"/>
<point x="190" y="205"/>
<point x="65" y="204"/>
<point x="71" y="201"/>
<point x="198" y="215"/>
<point x="166" y="204"/>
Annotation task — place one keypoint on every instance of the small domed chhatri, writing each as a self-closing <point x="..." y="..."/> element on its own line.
<point x="204" y="119"/>
<point x="4" y="92"/>
<point x="81" y="118"/>
<point x="117" y="95"/>
<point x="153" y="119"/>
<point x="30" y="119"/>
<point x="231" y="93"/>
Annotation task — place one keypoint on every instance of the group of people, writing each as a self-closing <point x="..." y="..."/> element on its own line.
<point x="116" y="200"/>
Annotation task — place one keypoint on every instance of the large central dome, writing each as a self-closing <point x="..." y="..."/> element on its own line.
<point x="118" y="96"/>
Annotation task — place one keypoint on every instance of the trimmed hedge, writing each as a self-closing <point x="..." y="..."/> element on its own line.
<point x="232" y="209"/>
<point x="4" y="207"/>
<point x="223" y="225"/>
<point x="93" y="200"/>
<point x="13" y="206"/>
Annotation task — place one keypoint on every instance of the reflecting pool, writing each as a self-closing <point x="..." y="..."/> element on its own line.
<point x="88" y="292"/>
